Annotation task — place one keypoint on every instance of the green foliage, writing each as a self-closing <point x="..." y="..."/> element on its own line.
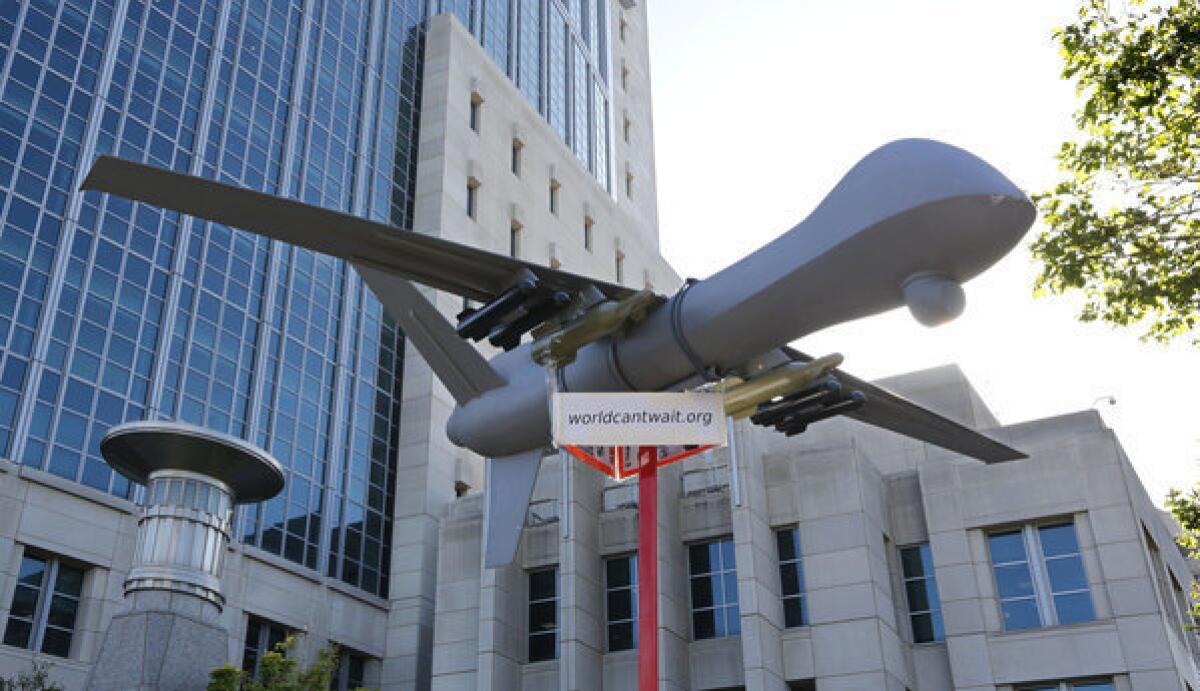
<point x="1186" y="510"/>
<point x="36" y="679"/>
<point x="278" y="672"/>
<point x="1124" y="220"/>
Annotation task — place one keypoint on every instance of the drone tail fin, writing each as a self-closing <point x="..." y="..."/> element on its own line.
<point x="507" y="490"/>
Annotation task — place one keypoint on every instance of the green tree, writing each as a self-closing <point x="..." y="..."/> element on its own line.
<point x="1123" y="223"/>
<point x="278" y="672"/>
<point x="36" y="679"/>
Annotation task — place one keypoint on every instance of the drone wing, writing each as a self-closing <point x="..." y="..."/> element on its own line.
<point x="473" y="273"/>
<point x="517" y="295"/>
<point x="882" y="408"/>
<point x="889" y="411"/>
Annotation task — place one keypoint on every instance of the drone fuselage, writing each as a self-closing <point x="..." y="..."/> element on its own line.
<point x="907" y="225"/>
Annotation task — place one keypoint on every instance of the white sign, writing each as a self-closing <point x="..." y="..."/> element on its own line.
<point x="639" y="419"/>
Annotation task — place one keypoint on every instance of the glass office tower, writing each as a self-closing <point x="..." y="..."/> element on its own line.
<point x="112" y="311"/>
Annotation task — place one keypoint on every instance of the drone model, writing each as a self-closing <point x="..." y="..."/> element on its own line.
<point x="907" y="225"/>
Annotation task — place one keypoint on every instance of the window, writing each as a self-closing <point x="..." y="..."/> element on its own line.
<point x="476" y="106"/>
<point x="543" y="614"/>
<point x="44" y="605"/>
<point x="587" y="232"/>
<point x="713" y="577"/>
<point x="621" y="28"/>
<point x="624" y="77"/>
<point x="516" y="156"/>
<point x="620" y="586"/>
<point x="629" y="184"/>
<point x="791" y="577"/>
<point x="1175" y="603"/>
<point x="920" y="587"/>
<point x="625" y="125"/>
<point x="351" y="672"/>
<point x="472" y="197"/>
<point x="1039" y="576"/>
<point x="1095" y="685"/>
<point x="619" y="265"/>
<point x="554" y="196"/>
<point x="262" y="637"/>
<point x="514" y="239"/>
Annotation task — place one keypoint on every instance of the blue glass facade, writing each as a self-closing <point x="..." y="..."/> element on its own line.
<point x="112" y="311"/>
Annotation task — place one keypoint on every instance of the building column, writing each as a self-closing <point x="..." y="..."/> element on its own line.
<point x="838" y="495"/>
<point x="757" y="571"/>
<point x="501" y="639"/>
<point x="456" y="628"/>
<point x="425" y="469"/>
<point x="957" y="555"/>
<point x="581" y="578"/>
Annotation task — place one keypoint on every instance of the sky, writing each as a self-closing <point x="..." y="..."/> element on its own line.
<point x="761" y="106"/>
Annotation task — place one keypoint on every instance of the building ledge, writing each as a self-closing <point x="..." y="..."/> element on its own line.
<point x="256" y="554"/>
<point x="275" y="561"/>
<point x="356" y="594"/>
<point x="73" y="488"/>
<point x="797" y="633"/>
<point x="539" y="666"/>
<point x="719" y="642"/>
<point x="1056" y="631"/>
<point x="68" y="664"/>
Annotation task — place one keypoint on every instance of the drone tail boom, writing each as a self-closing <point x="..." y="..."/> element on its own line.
<point x="457" y="364"/>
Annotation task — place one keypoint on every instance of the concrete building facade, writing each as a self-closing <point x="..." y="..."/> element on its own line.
<point x="855" y="559"/>
<point x="523" y="127"/>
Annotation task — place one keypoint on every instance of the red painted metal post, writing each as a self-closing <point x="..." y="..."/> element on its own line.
<point x="648" y="568"/>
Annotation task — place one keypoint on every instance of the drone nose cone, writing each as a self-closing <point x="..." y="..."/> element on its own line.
<point x="933" y="299"/>
<point x="907" y="171"/>
<point x="905" y="226"/>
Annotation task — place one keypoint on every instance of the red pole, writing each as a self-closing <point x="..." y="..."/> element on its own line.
<point x="648" y="568"/>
